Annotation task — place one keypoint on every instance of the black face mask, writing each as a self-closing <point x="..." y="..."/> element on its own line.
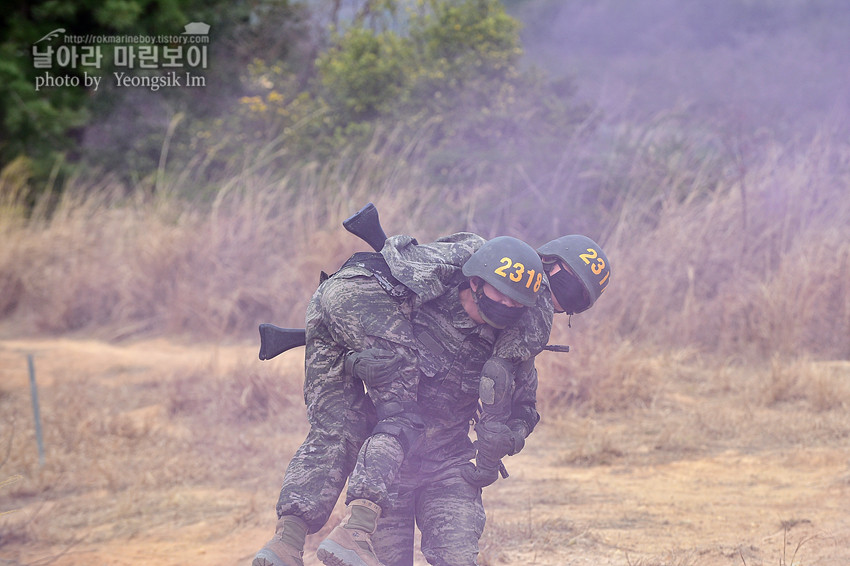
<point x="569" y="291"/>
<point x="496" y="314"/>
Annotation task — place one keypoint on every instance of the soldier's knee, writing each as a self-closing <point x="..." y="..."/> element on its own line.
<point x="452" y="556"/>
<point x="402" y="421"/>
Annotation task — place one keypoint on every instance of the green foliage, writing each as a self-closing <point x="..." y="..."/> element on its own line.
<point x="91" y="126"/>
<point x="370" y="78"/>
<point x="474" y="36"/>
<point x="216" y="124"/>
<point x="440" y="86"/>
<point x="51" y="120"/>
<point x="447" y="82"/>
<point x="272" y="123"/>
<point x="489" y="120"/>
<point x="365" y="73"/>
<point x="443" y="77"/>
<point x="31" y="120"/>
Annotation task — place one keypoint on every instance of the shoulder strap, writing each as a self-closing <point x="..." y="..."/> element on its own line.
<point x="375" y="263"/>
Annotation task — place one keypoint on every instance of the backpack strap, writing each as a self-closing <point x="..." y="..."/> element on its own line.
<point x="375" y="263"/>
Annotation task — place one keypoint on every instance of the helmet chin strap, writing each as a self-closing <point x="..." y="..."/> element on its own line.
<point x="489" y="321"/>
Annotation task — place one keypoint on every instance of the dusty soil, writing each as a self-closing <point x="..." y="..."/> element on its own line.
<point x="170" y="453"/>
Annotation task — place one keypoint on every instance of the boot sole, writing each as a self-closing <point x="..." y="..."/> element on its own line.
<point x="332" y="554"/>
<point x="266" y="558"/>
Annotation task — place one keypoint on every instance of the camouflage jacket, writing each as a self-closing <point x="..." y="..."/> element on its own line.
<point x="430" y="270"/>
<point x="454" y="348"/>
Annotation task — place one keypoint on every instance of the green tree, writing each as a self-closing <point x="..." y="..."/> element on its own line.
<point x="455" y="71"/>
<point x="123" y="129"/>
<point x="365" y="73"/>
<point x="439" y="84"/>
<point x="41" y="122"/>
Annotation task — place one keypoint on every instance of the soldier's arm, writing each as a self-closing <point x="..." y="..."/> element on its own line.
<point x="523" y="415"/>
<point x="512" y="364"/>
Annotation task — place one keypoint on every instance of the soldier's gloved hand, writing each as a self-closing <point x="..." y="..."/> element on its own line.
<point x="519" y="430"/>
<point x="374" y="366"/>
<point x="495" y="440"/>
<point x="478" y="476"/>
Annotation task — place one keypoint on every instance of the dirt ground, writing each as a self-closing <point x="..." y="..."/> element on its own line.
<point x="169" y="453"/>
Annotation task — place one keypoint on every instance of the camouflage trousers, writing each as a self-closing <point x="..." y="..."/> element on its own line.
<point x="349" y="311"/>
<point x="450" y="515"/>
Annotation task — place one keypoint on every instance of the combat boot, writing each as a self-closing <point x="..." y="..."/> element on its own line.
<point x="286" y="548"/>
<point x="350" y="543"/>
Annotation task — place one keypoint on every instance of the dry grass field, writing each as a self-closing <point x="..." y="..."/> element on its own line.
<point x="701" y="418"/>
<point x="171" y="453"/>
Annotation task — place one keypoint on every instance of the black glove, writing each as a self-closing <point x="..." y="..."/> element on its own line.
<point x="495" y="440"/>
<point x="374" y="366"/>
<point x="478" y="476"/>
<point x="519" y="431"/>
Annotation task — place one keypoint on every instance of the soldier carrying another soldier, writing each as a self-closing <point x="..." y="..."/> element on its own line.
<point x="413" y="319"/>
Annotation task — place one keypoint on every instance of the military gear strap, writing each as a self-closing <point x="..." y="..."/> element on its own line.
<point x="400" y="420"/>
<point x="377" y="265"/>
<point x="408" y="435"/>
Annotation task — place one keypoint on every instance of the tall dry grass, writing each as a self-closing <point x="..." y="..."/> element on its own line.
<point x="723" y="306"/>
<point x="755" y="273"/>
<point x="756" y="264"/>
<point x="114" y="266"/>
<point x="759" y="266"/>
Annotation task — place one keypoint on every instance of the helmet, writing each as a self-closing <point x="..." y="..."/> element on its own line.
<point x="585" y="258"/>
<point x="511" y="266"/>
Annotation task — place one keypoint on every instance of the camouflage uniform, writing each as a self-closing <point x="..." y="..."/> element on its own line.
<point x="444" y="336"/>
<point x="350" y="311"/>
<point x="430" y="489"/>
<point x="340" y="414"/>
<point x="355" y="309"/>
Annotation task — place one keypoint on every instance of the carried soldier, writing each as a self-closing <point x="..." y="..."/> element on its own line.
<point x="430" y="330"/>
